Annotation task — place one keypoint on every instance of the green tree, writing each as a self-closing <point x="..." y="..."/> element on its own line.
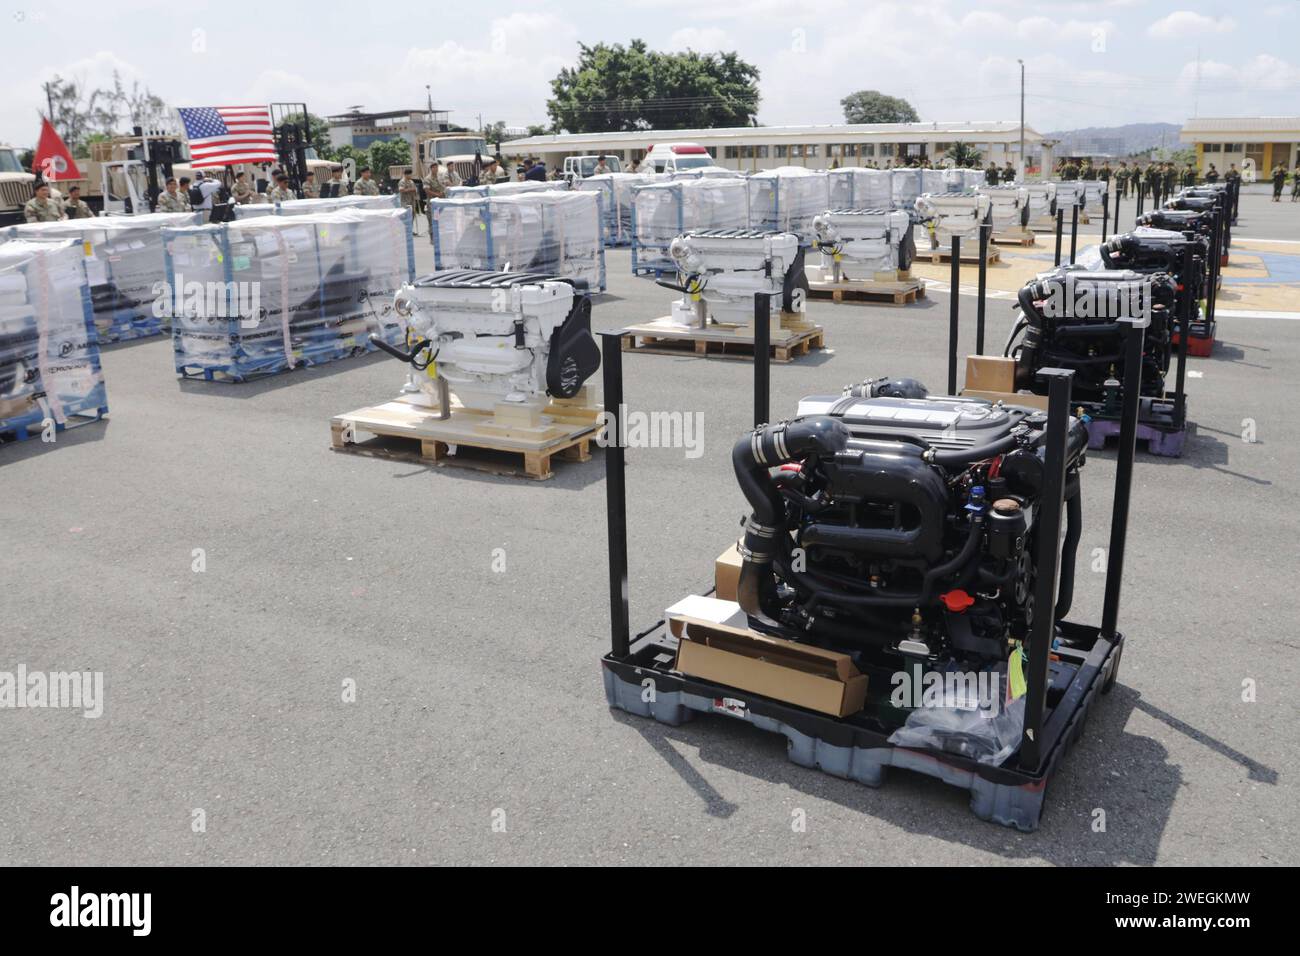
<point x="385" y="153"/>
<point x="872" y="106"/>
<point x="537" y="129"/>
<point x="347" y="151"/>
<point x="615" y="88"/>
<point x="82" y="116"/>
<point x="964" y="155"/>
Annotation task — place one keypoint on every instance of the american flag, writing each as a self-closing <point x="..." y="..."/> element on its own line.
<point x="220" y="135"/>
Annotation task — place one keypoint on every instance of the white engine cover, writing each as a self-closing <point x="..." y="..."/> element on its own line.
<point x="476" y="329"/>
<point x="957" y="214"/>
<point x="726" y="267"/>
<point x="865" y="240"/>
<point x="1008" y="203"/>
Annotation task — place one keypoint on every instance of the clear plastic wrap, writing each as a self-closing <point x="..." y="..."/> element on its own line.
<point x="663" y="211"/>
<point x="508" y="188"/>
<point x="786" y="199"/>
<point x="857" y="187"/>
<point x="124" y="261"/>
<point x="615" y="190"/>
<point x="1093" y="190"/>
<point x="988" y="738"/>
<point x="49" y="353"/>
<point x="267" y="294"/>
<point x="552" y="232"/>
<point x="308" y="207"/>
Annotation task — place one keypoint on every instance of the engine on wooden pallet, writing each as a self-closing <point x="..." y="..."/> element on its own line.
<point x="720" y="270"/>
<point x="492" y="337"/>
<point x="954" y="214"/>
<point x="900" y="525"/>
<point x="855" y="243"/>
<point x="1074" y="318"/>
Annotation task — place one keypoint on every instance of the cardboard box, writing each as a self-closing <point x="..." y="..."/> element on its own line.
<point x="820" y="680"/>
<point x="1011" y="398"/>
<point x="698" y="608"/>
<point x="990" y="373"/>
<point x="726" y="574"/>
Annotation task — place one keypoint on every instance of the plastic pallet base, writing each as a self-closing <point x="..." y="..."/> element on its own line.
<point x="243" y="371"/>
<point x="1163" y="443"/>
<point x="27" y="429"/>
<point x="1018" y="806"/>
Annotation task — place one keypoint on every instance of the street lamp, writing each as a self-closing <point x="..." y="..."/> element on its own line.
<point x="1022" y="119"/>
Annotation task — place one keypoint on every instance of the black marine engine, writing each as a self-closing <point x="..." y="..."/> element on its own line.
<point x="893" y="523"/>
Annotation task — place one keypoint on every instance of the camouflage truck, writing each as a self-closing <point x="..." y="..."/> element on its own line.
<point x="450" y="149"/>
<point x="16" y="186"/>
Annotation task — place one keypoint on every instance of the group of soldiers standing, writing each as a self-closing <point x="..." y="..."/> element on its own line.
<point x="44" y="206"/>
<point x="1157" y="179"/>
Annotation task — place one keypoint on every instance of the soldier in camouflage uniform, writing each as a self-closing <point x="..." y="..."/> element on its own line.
<point x="281" y="192"/>
<point x="336" y="183"/>
<point x="365" y="186"/>
<point x="74" y="208"/>
<point x="1121" y="179"/>
<point x="309" y="190"/>
<point x="243" y="192"/>
<point x="1189" y="175"/>
<point x="172" y="199"/>
<point x="434" y="186"/>
<point x="42" y="207"/>
<point x="1153" y="178"/>
<point x="1070" y="171"/>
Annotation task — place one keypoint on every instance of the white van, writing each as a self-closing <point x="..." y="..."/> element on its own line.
<point x="675" y="157"/>
<point x="580" y="167"/>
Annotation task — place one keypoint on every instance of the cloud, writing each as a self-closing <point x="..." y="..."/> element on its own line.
<point x="701" y="39"/>
<point x="1261" y="73"/>
<point x="1186" y="23"/>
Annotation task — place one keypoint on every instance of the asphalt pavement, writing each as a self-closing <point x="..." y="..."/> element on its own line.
<point x="469" y="612"/>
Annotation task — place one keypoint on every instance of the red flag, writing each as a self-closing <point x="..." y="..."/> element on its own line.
<point x="53" y="159"/>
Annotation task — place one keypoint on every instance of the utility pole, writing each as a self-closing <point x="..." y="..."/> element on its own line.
<point x="428" y="91"/>
<point x="1023" y="164"/>
<point x="49" y="104"/>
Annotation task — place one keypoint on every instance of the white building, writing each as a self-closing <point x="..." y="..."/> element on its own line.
<point x="817" y="147"/>
<point x="1264" y="140"/>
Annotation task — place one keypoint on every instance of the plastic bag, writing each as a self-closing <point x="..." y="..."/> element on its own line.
<point x="969" y="732"/>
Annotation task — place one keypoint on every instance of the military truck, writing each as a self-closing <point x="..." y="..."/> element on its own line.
<point x="16" y="186"/>
<point x="450" y="149"/>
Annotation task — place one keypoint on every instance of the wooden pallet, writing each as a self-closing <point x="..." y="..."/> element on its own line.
<point x="939" y="255"/>
<point x="517" y="442"/>
<point x="882" y="292"/>
<point x="1019" y="237"/>
<point x="722" y="340"/>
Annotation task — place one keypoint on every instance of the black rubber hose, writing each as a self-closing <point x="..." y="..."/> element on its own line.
<point x="959" y="457"/>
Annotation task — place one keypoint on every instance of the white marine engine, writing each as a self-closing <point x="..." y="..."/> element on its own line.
<point x="492" y="337"/>
<point x="720" y="270"/>
<point x="1042" y="200"/>
<point x="855" y="243"/>
<point x="1010" y="206"/>
<point x="953" y="214"/>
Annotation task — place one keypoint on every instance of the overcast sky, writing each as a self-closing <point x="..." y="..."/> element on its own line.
<point x="1097" y="63"/>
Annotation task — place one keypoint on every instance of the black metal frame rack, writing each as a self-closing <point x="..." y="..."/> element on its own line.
<point x="1069" y="665"/>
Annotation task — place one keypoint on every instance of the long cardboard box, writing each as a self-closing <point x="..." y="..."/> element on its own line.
<point x="811" y="677"/>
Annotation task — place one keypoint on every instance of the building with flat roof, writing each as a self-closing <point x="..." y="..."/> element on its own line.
<point x="750" y="148"/>
<point x="1262" y="141"/>
<point x="359" y="129"/>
